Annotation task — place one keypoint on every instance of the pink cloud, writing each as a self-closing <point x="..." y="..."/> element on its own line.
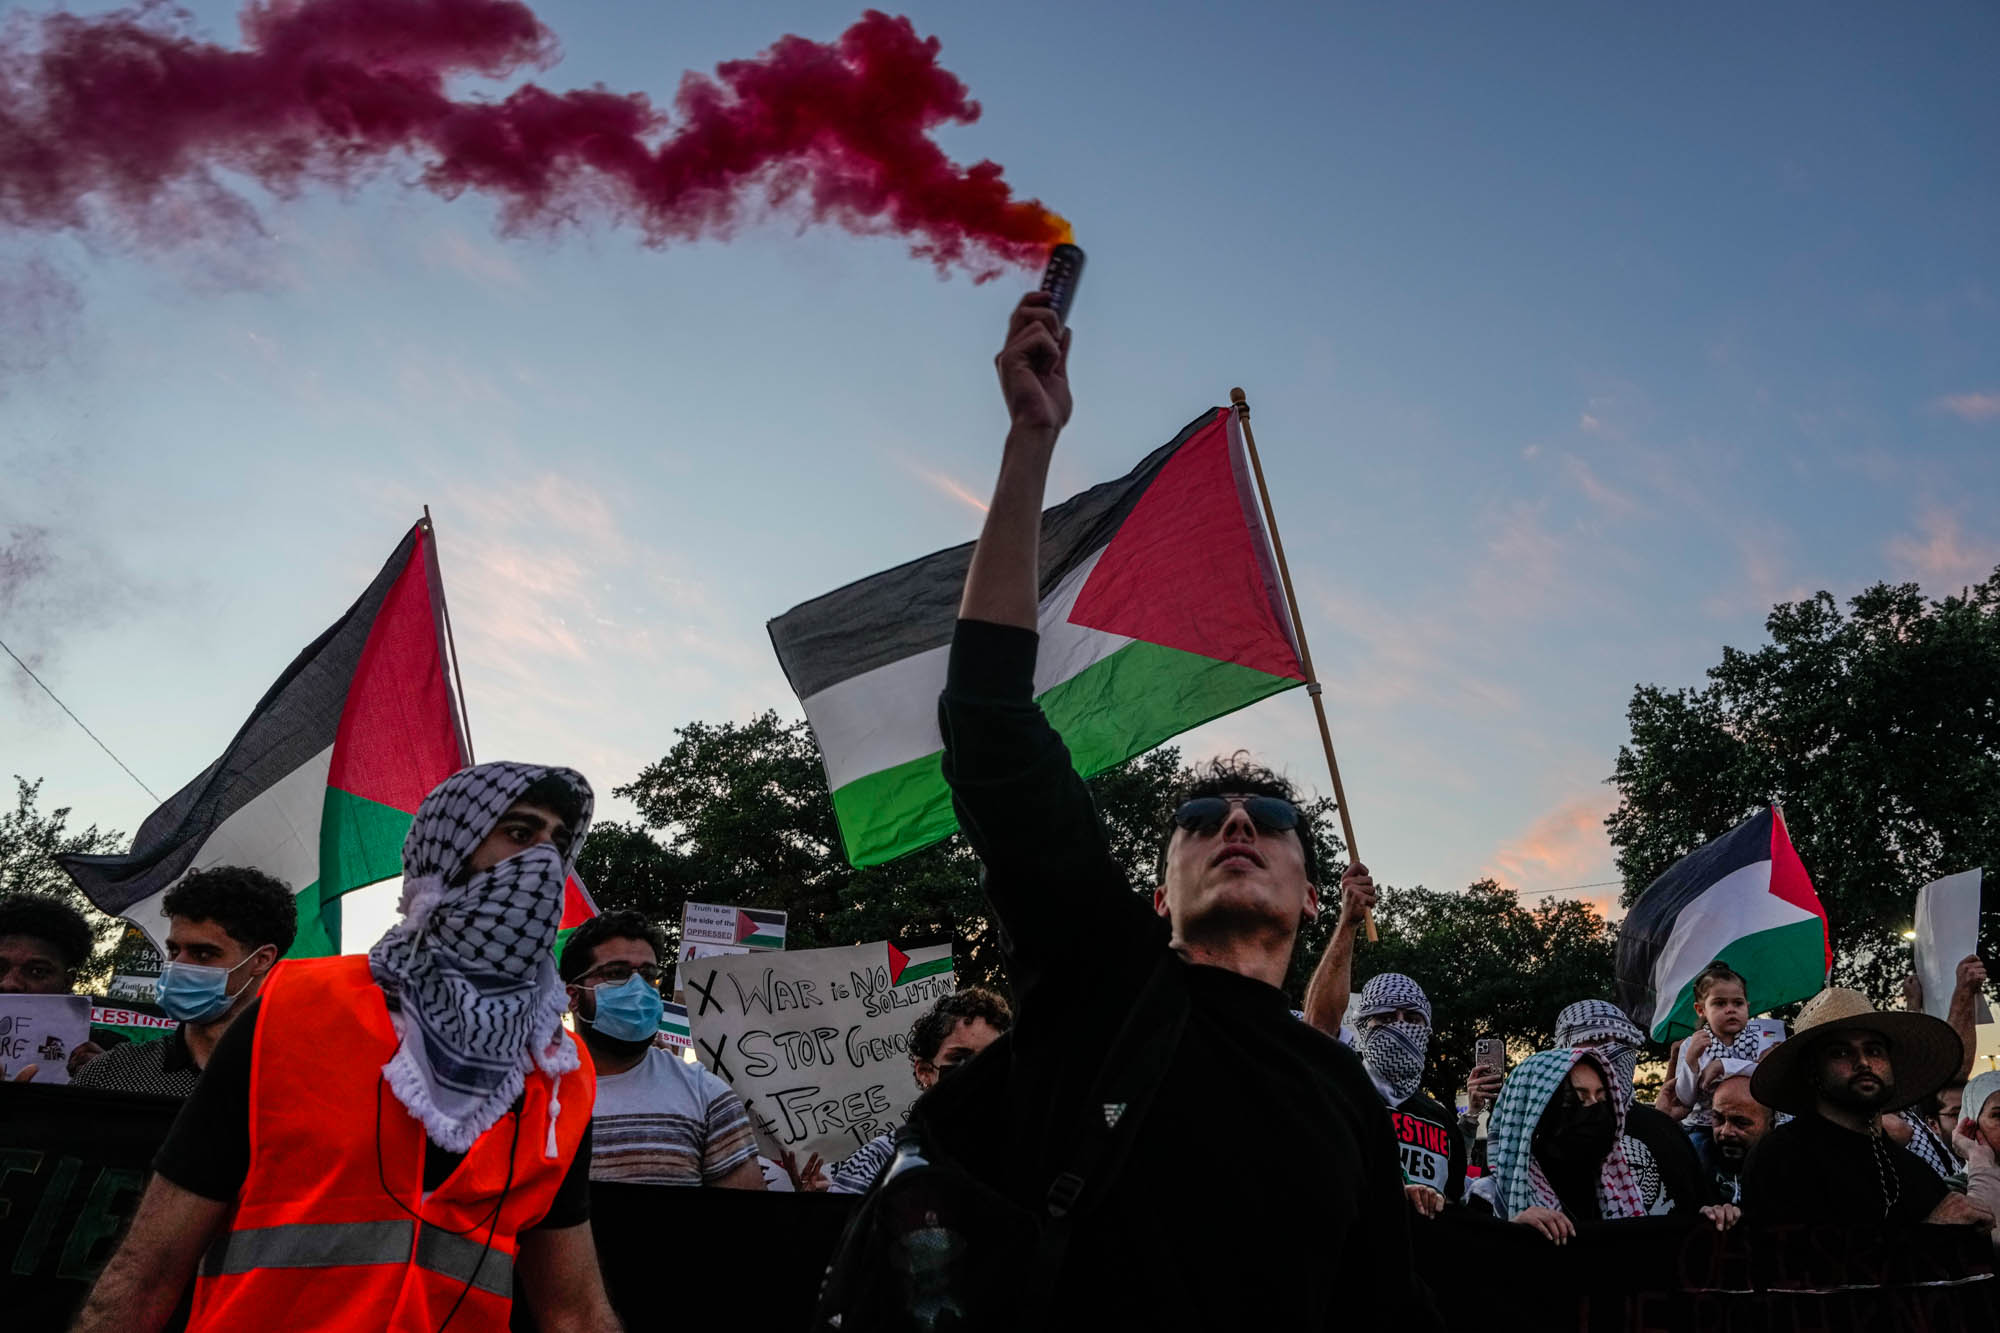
<point x="1939" y="554"/>
<point x="1564" y="847"/>
<point x="1600" y="493"/>
<point x="1972" y="408"/>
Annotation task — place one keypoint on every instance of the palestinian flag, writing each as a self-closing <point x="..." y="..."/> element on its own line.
<point x="1744" y="900"/>
<point x="932" y="961"/>
<point x="1160" y="609"/>
<point x="320" y="785"/>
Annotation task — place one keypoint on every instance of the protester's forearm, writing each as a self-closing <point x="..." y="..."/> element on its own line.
<point x="1002" y="585"/>
<point x="1961" y="1016"/>
<point x="140" y="1287"/>
<point x="1332" y="982"/>
<point x="130" y="1297"/>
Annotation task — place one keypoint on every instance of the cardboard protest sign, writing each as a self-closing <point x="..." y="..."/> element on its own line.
<point x="674" y="1026"/>
<point x="1947" y="931"/>
<point x="41" y="1030"/>
<point x="742" y="927"/>
<point x="816" y="1042"/>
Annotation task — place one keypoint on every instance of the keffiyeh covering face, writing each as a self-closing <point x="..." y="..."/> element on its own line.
<point x="1604" y="1027"/>
<point x="1518" y="1178"/>
<point x="469" y="973"/>
<point x="1394" y="1051"/>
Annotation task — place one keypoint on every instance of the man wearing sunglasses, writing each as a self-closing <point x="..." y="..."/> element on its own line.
<point x="659" y="1120"/>
<point x="1258" y="1119"/>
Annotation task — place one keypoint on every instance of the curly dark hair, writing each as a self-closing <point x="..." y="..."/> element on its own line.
<point x="927" y="1034"/>
<point x="580" y="954"/>
<point x="47" y="918"/>
<point x="1239" y="775"/>
<point x="253" y="908"/>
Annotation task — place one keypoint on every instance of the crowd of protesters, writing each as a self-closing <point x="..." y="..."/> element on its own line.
<point x="388" y="1140"/>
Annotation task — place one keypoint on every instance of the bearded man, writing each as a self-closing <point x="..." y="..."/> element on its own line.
<point x="384" y="1141"/>
<point x="1845" y="1066"/>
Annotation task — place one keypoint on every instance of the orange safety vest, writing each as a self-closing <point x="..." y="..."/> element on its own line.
<point x="323" y="1235"/>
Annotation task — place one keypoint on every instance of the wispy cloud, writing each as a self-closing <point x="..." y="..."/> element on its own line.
<point x="1940" y="554"/>
<point x="481" y="261"/>
<point x="1973" y="408"/>
<point x="1564" y="847"/>
<point x="945" y="484"/>
<point x="1598" y="491"/>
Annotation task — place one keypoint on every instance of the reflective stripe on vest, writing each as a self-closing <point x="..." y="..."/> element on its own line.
<point x="354" y="1244"/>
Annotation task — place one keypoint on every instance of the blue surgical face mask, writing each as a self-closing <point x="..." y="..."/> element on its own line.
<point x="629" y="1011"/>
<point x="192" y="993"/>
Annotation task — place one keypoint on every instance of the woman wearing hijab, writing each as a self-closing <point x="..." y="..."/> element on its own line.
<point x="1977" y="1138"/>
<point x="1663" y="1160"/>
<point x="1556" y="1144"/>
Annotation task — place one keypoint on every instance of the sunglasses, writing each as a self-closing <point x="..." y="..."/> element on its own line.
<point x="1205" y="815"/>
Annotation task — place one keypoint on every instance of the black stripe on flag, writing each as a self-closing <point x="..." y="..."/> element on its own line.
<point x="296" y="719"/>
<point x="911" y="609"/>
<point x="1650" y="924"/>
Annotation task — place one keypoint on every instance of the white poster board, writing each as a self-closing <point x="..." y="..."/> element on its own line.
<point x="816" y="1041"/>
<point x="41" y="1030"/>
<point x="1947" y="931"/>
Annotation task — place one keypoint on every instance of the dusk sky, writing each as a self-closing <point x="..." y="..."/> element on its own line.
<point x="1576" y="335"/>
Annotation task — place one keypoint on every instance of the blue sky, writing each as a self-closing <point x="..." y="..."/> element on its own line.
<point x="1576" y="336"/>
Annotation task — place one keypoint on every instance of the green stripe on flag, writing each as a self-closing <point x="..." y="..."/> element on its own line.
<point x="360" y="843"/>
<point x="1124" y="705"/>
<point x="1781" y="965"/>
<point x="763" y="942"/>
<point x="918" y="971"/>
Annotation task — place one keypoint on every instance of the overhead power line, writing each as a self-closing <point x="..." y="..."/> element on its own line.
<point x="74" y="718"/>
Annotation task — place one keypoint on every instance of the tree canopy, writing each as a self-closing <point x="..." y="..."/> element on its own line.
<point x="31" y="841"/>
<point x="1490" y="966"/>
<point x="1876" y="730"/>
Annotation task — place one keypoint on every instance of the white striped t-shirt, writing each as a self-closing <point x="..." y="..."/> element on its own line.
<point x="667" y="1122"/>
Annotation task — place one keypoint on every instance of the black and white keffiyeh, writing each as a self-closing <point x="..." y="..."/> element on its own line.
<point x="469" y="973"/>
<point x="1394" y="1052"/>
<point x="1604" y="1026"/>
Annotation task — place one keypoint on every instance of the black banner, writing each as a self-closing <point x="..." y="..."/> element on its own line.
<point x="73" y="1163"/>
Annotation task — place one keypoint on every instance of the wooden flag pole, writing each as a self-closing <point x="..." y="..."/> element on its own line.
<point x="1242" y="406"/>
<point x="464" y="720"/>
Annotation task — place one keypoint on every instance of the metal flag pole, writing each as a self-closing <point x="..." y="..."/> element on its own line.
<point x="464" y="720"/>
<point x="1242" y="406"/>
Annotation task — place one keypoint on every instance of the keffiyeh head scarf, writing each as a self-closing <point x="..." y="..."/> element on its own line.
<point x="469" y="973"/>
<point x="1519" y="1179"/>
<point x="1394" y="1052"/>
<point x="1604" y="1027"/>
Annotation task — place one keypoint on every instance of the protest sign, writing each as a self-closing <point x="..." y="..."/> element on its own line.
<point x="674" y="1026"/>
<point x="1947" y="931"/>
<point x="41" y="1030"/>
<point x="134" y="1021"/>
<point x="816" y="1042"/>
<point x="744" y="927"/>
<point x="136" y="967"/>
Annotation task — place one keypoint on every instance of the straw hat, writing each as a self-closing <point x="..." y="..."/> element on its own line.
<point x="1924" y="1053"/>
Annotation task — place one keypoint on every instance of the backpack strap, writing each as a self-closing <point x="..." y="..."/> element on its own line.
<point x="1120" y="1097"/>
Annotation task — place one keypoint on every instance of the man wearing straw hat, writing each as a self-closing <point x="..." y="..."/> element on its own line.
<point x="1845" y="1066"/>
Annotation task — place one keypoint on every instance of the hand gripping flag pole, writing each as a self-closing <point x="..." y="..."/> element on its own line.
<point x="1242" y="406"/>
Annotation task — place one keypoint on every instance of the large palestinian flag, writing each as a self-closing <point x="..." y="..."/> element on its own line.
<point x="1744" y="900"/>
<point x="320" y="785"/>
<point x="1160" y="609"/>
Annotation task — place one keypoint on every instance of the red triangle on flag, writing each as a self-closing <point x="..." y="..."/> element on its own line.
<point x="898" y="960"/>
<point x="578" y="905"/>
<point x="1189" y="566"/>
<point x="745" y="927"/>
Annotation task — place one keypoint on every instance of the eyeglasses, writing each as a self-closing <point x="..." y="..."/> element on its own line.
<point x="617" y="974"/>
<point x="1205" y="815"/>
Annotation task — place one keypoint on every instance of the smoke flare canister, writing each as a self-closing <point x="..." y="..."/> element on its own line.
<point x="1059" y="279"/>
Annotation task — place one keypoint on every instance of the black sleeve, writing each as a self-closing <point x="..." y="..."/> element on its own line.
<point x="1687" y="1184"/>
<point x="1050" y="874"/>
<point x="207" y="1152"/>
<point x="571" y="1206"/>
<point x="1456" y="1190"/>
<point x="1783" y="1183"/>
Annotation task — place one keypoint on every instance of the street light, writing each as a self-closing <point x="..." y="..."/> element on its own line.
<point x="1909" y="934"/>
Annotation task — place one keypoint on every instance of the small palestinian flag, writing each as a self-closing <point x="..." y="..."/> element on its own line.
<point x="930" y="961"/>
<point x="1744" y="900"/>
<point x="1160" y="609"/>
<point x="319" y="787"/>
<point x="674" y="1025"/>
<point x="757" y="928"/>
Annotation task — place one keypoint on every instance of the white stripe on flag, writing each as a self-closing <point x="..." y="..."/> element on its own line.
<point x="277" y="832"/>
<point x="888" y="716"/>
<point x="1738" y="905"/>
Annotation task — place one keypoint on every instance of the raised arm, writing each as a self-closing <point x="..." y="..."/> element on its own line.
<point x="1964" y="1012"/>
<point x="1002" y="585"/>
<point x="1333" y="980"/>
